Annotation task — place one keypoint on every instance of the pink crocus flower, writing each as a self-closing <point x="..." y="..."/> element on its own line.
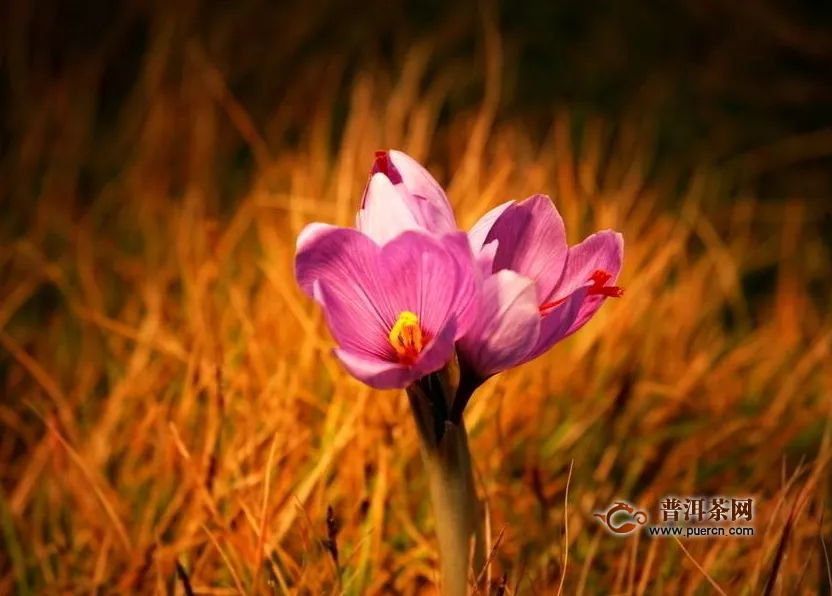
<point x="545" y="290"/>
<point x="535" y="289"/>
<point x="395" y="309"/>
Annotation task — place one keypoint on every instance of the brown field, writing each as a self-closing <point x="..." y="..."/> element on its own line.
<point x="173" y="421"/>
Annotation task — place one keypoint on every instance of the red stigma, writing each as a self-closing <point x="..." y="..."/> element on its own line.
<point x="551" y="305"/>
<point x="382" y="163"/>
<point x="598" y="279"/>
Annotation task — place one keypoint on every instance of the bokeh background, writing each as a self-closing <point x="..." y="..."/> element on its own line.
<point x="172" y="420"/>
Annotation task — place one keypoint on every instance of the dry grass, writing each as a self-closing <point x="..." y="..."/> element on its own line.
<point x="174" y="423"/>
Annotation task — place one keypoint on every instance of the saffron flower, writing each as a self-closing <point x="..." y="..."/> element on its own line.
<point x="535" y="289"/>
<point x="395" y="309"/>
<point x="539" y="289"/>
<point x="414" y="303"/>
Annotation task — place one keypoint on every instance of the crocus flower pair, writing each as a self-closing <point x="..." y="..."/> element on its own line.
<point x="406" y="288"/>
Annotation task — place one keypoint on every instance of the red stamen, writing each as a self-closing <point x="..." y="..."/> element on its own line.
<point x="598" y="279"/>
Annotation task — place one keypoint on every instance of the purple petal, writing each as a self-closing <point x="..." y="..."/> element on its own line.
<point x="354" y="322"/>
<point x="339" y="268"/>
<point x="390" y="375"/>
<point x="375" y="373"/>
<point x="385" y="211"/>
<point x="435" y="213"/>
<point x="508" y="326"/>
<point x="364" y="288"/>
<point x="437" y="353"/>
<point x="479" y="231"/>
<point x="467" y="298"/>
<point x="485" y="258"/>
<point x="556" y="323"/>
<point x="602" y="251"/>
<point x="485" y="253"/>
<point x="382" y="374"/>
<point x="334" y="255"/>
<point x="418" y="274"/>
<point x="311" y="234"/>
<point x="532" y="242"/>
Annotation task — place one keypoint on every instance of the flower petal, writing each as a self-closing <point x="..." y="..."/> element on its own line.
<point x="375" y="373"/>
<point x="364" y="288"/>
<point x="385" y="210"/>
<point x="390" y="375"/>
<point x="435" y="213"/>
<point x="556" y="324"/>
<point x="354" y="321"/>
<point x="468" y="283"/>
<point x="532" y="242"/>
<point x="312" y="232"/>
<point x="601" y="251"/>
<point x="418" y="193"/>
<point x="508" y="324"/>
<point x="334" y="255"/>
<point x="338" y="268"/>
<point x="419" y="274"/>
<point x="479" y="231"/>
<point x="438" y="352"/>
<point x="485" y="258"/>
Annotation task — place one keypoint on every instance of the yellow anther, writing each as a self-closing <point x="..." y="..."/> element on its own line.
<point x="406" y="337"/>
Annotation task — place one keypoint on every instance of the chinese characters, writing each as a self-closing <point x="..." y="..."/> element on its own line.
<point x="701" y="509"/>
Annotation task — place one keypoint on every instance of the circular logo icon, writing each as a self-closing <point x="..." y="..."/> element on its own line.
<point x="622" y="518"/>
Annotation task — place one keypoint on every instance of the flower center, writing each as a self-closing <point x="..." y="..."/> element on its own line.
<point x="407" y="338"/>
<point x="598" y="279"/>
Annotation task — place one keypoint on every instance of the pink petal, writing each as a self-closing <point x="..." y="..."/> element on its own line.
<point x="467" y="298"/>
<point x="479" y="231"/>
<point x="437" y="353"/>
<point x="364" y="288"/>
<point x="418" y="194"/>
<point x="432" y="203"/>
<point x="508" y="326"/>
<point x="311" y="234"/>
<point x="334" y="255"/>
<point x="601" y="251"/>
<point x="532" y="241"/>
<point x="556" y="323"/>
<point x="419" y="275"/>
<point x="338" y="267"/>
<point x="485" y="253"/>
<point x="485" y="258"/>
<point x="386" y="211"/>
<point x="373" y="372"/>
<point x="354" y="322"/>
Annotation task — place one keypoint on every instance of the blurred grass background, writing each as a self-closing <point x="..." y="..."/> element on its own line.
<point x="172" y="421"/>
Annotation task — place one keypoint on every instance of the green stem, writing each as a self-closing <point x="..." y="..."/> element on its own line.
<point x="453" y="495"/>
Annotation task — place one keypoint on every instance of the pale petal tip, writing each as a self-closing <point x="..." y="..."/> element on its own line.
<point x="309" y="232"/>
